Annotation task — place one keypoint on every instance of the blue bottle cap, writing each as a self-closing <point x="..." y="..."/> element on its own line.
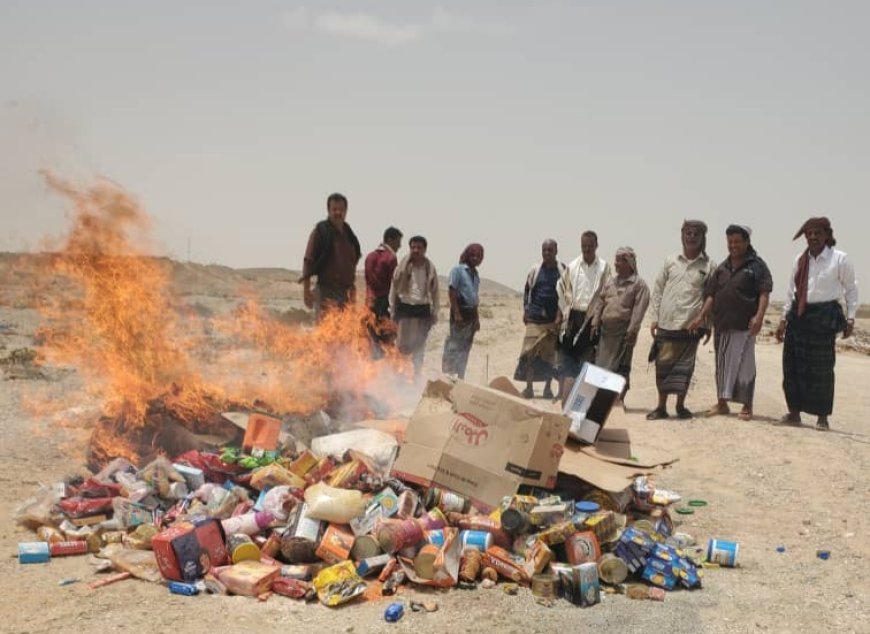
<point x="584" y="506"/>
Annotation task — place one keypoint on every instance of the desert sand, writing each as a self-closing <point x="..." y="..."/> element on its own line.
<point x="767" y="486"/>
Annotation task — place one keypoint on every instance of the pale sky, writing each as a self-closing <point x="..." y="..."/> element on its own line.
<point x="503" y="123"/>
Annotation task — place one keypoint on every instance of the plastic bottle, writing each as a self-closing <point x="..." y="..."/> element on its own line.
<point x="394" y="612"/>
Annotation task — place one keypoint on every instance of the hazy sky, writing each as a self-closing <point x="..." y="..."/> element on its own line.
<point x="498" y="122"/>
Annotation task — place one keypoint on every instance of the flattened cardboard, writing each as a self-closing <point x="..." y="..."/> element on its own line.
<point x="480" y="442"/>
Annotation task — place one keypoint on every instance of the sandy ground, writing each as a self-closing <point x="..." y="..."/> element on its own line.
<point x="767" y="486"/>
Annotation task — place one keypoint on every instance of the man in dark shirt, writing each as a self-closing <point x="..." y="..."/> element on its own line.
<point x="379" y="267"/>
<point x="542" y="317"/>
<point x="737" y="293"/>
<point x="332" y="254"/>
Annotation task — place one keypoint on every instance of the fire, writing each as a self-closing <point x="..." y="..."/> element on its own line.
<point x="110" y="312"/>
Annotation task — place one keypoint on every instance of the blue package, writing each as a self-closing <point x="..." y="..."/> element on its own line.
<point x="33" y="552"/>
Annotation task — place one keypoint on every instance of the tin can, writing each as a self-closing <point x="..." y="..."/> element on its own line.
<point x="475" y="539"/>
<point x="544" y="586"/>
<point x="515" y="522"/>
<point x="272" y="546"/>
<point x="447" y="501"/>
<point x="588" y="584"/>
<point x="393" y="536"/>
<point x="365" y="546"/>
<point x="113" y="537"/>
<point x="723" y="552"/>
<point x="179" y="587"/>
<point x="242" y="548"/>
<point x="61" y="549"/>
<point x="612" y="570"/>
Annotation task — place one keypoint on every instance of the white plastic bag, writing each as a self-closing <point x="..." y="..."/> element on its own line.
<point x="333" y="505"/>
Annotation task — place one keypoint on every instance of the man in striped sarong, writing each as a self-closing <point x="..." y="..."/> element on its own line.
<point x="676" y="300"/>
<point x="812" y="318"/>
<point x="737" y="294"/>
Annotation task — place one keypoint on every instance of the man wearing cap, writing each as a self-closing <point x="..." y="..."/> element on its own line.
<point x="737" y="294"/>
<point x="676" y="300"/>
<point x="812" y="317"/>
<point x="617" y="315"/>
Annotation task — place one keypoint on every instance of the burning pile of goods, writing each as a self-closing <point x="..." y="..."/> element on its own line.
<point x="329" y="522"/>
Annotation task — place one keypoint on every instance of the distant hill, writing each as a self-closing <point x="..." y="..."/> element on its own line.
<point x="213" y="280"/>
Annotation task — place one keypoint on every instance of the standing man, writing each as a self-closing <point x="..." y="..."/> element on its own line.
<point x="578" y="289"/>
<point x="737" y="294"/>
<point x="414" y="301"/>
<point x="379" y="267"/>
<point x="812" y="317"/>
<point x="542" y="317"/>
<point x="464" y="318"/>
<point x="617" y="315"/>
<point x="676" y="300"/>
<point x="332" y="254"/>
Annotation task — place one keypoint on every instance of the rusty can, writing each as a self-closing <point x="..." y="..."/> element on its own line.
<point x="61" y="549"/>
<point x="272" y="546"/>
<point x="393" y="536"/>
<point x="544" y="586"/>
<point x="364" y="547"/>
<point x="582" y="547"/>
<point x="515" y="522"/>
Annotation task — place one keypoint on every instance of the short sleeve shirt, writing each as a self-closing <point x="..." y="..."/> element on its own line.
<point x="736" y="292"/>
<point x="466" y="283"/>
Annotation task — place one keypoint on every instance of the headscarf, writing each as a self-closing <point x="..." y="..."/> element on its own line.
<point x="802" y="277"/>
<point x="818" y="223"/>
<point x="629" y="255"/>
<point x="470" y="250"/>
<point x="701" y="226"/>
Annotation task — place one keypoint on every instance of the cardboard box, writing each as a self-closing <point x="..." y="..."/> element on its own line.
<point x="480" y="442"/>
<point x="248" y="578"/>
<point x="590" y="401"/>
<point x="336" y="544"/>
<point x="190" y="549"/>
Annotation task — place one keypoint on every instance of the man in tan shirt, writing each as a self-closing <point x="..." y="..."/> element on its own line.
<point x="677" y="297"/>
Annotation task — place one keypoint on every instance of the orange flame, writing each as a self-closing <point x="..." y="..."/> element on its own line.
<point x="110" y="312"/>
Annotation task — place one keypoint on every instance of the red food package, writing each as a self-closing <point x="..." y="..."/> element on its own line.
<point x="80" y="507"/>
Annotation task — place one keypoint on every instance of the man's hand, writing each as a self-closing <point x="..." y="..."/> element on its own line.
<point x="780" y="331"/>
<point x="850" y="328"/>
<point x="755" y="325"/>
<point x="476" y="325"/>
<point x="630" y="338"/>
<point x="652" y="329"/>
<point x="707" y="338"/>
<point x="308" y="297"/>
<point x="558" y="321"/>
<point x="694" y="325"/>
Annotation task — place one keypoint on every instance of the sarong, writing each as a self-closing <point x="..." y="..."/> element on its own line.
<point x="674" y="354"/>
<point x="457" y="346"/>
<point x="808" y="357"/>
<point x="414" y="325"/>
<point x="613" y="353"/>
<point x="577" y="345"/>
<point x="735" y="366"/>
<point x="538" y="354"/>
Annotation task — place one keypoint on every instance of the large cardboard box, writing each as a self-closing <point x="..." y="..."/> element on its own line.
<point x="480" y="442"/>
<point x="590" y="401"/>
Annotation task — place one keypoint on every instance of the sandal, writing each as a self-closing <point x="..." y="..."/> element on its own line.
<point x="745" y="414"/>
<point x="528" y="393"/>
<point x="548" y="393"/>
<point x="658" y="413"/>
<point x="684" y="413"/>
